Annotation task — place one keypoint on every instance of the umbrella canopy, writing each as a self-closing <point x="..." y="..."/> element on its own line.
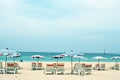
<point x="37" y="57"/>
<point x="7" y="52"/>
<point x="1" y="54"/>
<point x="63" y="55"/>
<point x="80" y="57"/>
<point x="57" y="57"/>
<point x="99" y="58"/>
<point x="116" y="58"/>
<point x="72" y="54"/>
<point x="15" y="55"/>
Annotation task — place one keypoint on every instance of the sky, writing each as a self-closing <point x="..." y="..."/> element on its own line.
<point x="60" y="25"/>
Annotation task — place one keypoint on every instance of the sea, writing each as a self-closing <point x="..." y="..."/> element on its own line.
<point x="26" y="57"/>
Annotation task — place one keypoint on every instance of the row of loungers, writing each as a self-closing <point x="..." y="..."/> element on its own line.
<point x="100" y="67"/>
<point x="116" y="67"/>
<point x="36" y="66"/>
<point x="82" y="69"/>
<point x="10" y="68"/>
<point x="57" y="68"/>
<point x="54" y="68"/>
<point x="103" y="67"/>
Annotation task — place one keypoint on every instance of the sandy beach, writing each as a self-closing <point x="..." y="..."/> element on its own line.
<point x="26" y="73"/>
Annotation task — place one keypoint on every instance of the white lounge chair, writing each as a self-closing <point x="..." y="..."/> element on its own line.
<point x="1" y="66"/>
<point x="102" y="67"/>
<point x="11" y="68"/>
<point x="60" y="68"/>
<point x="39" y="66"/>
<point x="34" y="66"/>
<point x="78" y="68"/>
<point x="97" y="67"/>
<point x="2" y="70"/>
<point x="16" y="65"/>
<point x="88" y="69"/>
<point x="50" y="69"/>
<point x="116" y="67"/>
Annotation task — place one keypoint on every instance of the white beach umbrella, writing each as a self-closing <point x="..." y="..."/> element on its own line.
<point x="15" y="55"/>
<point x="80" y="57"/>
<point x="7" y="52"/>
<point x="116" y="58"/>
<point x="63" y="55"/>
<point x="99" y="58"/>
<point x="38" y="57"/>
<point x="72" y="54"/>
<point x="1" y="54"/>
<point x="57" y="57"/>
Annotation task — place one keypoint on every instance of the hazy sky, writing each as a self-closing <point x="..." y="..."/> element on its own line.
<point x="60" y="25"/>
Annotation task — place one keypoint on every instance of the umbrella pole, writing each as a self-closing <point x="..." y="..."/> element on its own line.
<point x="71" y="64"/>
<point x="98" y="61"/>
<point x="116" y="61"/>
<point x="14" y="60"/>
<point x="5" y="61"/>
<point x="37" y="64"/>
<point x="37" y="60"/>
<point x="57" y="61"/>
<point x="79" y="61"/>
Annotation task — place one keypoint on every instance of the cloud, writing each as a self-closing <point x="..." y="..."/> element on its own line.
<point x="75" y="20"/>
<point x="73" y="14"/>
<point x="8" y="4"/>
<point x="79" y="15"/>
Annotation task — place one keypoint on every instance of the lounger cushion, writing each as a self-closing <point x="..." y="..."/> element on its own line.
<point x="49" y="64"/>
<point x="10" y="64"/>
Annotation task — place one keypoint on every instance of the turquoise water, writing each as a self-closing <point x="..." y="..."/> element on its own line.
<point x="26" y="57"/>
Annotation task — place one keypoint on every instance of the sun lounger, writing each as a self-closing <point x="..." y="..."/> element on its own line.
<point x="2" y="70"/>
<point x="39" y="66"/>
<point x="60" y="68"/>
<point x="11" y="68"/>
<point x="78" y="68"/>
<point x="83" y="64"/>
<point x="97" y="67"/>
<point x="16" y="65"/>
<point x="116" y="67"/>
<point x="34" y="66"/>
<point x="102" y="67"/>
<point x="1" y="66"/>
<point x="88" y="69"/>
<point x="50" y="69"/>
<point x="55" y="65"/>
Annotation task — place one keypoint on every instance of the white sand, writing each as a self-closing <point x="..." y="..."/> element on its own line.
<point x="27" y="74"/>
